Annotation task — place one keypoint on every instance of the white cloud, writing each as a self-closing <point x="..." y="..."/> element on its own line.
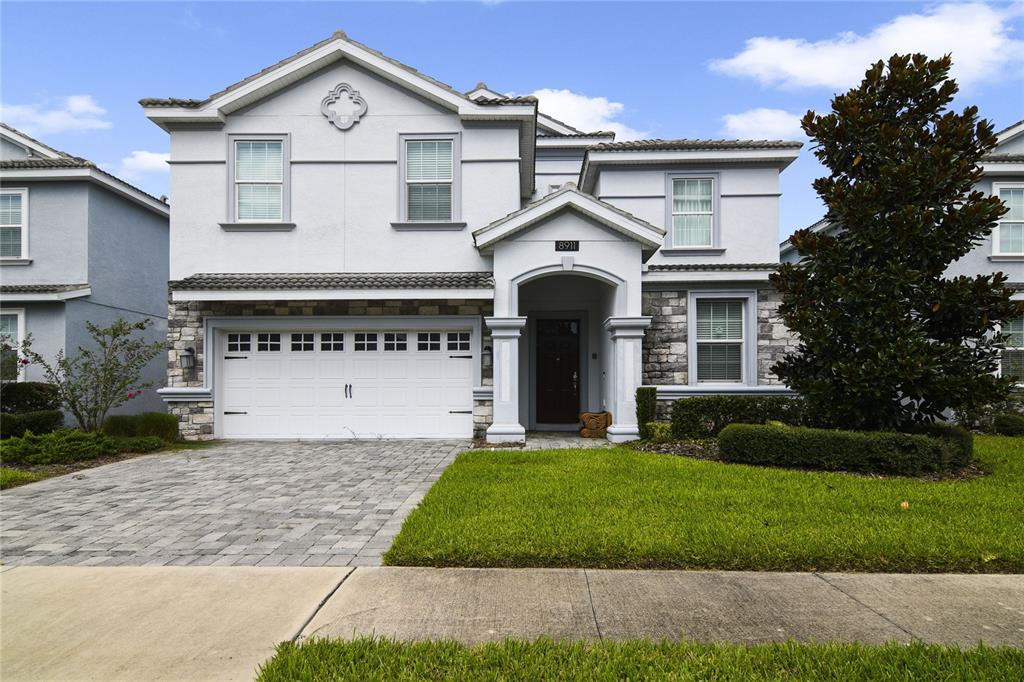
<point x="978" y="36"/>
<point x="142" y="162"/>
<point x="70" y="114"/>
<point x="763" y="124"/>
<point x="584" y="113"/>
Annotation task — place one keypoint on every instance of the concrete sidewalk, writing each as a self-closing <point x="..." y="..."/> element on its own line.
<point x="79" y="623"/>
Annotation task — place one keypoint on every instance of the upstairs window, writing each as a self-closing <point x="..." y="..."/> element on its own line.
<point x="13" y="224"/>
<point x="719" y="341"/>
<point x="430" y="183"/>
<point x="1009" y="235"/>
<point x="1012" y="361"/>
<point x="259" y="180"/>
<point x="692" y="212"/>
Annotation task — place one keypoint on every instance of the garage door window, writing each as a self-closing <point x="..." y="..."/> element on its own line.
<point x="428" y="341"/>
<point x="268" y="342"/>
<point x="458" y="340"/>
<point x="395" y="341"/>
<point x="239" y="343"/>
<point x="332" y="342"/>
<point x="302" y="343"/>
<point x="366" y="341"/>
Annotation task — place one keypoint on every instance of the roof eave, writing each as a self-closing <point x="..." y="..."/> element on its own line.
<point x="90" y="174"/>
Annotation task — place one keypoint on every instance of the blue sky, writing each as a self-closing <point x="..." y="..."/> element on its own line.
<point x="71" y="73"/>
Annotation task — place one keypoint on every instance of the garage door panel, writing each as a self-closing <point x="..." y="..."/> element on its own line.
<point x="334" y="393"/>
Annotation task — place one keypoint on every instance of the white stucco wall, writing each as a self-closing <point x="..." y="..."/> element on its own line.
<point x="58" y="214"/>
<point x="556" y="167"/>
<point x="749" y="207"/>
<point x="345" y="185"/>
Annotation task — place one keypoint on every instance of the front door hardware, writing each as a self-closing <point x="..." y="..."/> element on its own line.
<point x="460" y="411"/>
<point x="467" y="357"/>
<point x="226" y="412"/>
<point x="236" y="357"/>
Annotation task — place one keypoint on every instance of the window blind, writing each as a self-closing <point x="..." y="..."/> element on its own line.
<point x="692" y="202"/>
<point x="428" y="176"/>
<point x="10" y="225"/>
<point x="259" y="175"/>
<point x="1012" y="360"/>
<point x="1011" y="225"/>
<point x="719" y="327"/>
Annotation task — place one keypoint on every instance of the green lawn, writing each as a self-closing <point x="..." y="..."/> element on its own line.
<point x="10" y="478"/>
<point x="375" y="659"/>
<point x="620" y="508"/>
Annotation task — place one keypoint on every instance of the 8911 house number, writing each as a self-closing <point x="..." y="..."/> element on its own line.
<point x="567" y="245"/>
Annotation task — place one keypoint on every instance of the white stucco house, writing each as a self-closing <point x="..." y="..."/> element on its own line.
<point x="1003" y="250"/>
<point x="359" y="250"/>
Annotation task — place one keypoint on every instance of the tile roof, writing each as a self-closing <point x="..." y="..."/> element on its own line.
<point x="336" y="280"/>
<point x="1009" y="127"/>
<point x="686" y="145"/>
<point x="493" y="101"/>
<point x="1002" y="158"/>
<point x="596" y="133"/>
<point x="41" y="288"/>
<point x="29" y="137"/>
<point x="679" y="267"/>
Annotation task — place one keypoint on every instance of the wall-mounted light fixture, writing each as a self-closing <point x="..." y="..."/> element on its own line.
<point x="487" y="357"/>
<point x="187" y="358"/>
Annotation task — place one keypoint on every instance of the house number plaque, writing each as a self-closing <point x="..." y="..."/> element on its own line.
<point x="567" y="245"/>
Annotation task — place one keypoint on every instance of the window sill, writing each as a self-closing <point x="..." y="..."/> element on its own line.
<point x="1008" y="257"/>
<point x="427" y="226"/>
<point x="15" y="261"/>
<point x="692" y="251"/>
<point x="257" y="227"/>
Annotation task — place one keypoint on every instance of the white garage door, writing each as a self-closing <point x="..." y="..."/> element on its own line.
<point x="345" y="384"/>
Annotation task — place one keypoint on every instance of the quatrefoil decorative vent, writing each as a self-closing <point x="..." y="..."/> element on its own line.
<point x="343" y="106"/>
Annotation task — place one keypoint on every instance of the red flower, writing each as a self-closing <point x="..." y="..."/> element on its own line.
<point x="24" y="361"/>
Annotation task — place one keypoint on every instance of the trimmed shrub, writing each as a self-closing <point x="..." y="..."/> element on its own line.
<point x="646" y="408"/>
<point x="881" y="452"/>
<point x="658" y="432"/>
<point x="1009" y="424"/>
<point x="43" y="421"/>
<point x="28" y="396"/>
<point x="961" y="438"/>
<point x="159" y="424"/>
<point x="706" y="416"/>
<point x="59" y="447"/>
<point x="139" y="444"/>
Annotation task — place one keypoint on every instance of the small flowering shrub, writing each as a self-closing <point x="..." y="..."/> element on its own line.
<point x="104" y="375"/>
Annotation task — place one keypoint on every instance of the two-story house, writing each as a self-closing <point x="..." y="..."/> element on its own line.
<point x="77" y="245"/>
<point x="1003" y="250"/>
<point x="359" y="250"/>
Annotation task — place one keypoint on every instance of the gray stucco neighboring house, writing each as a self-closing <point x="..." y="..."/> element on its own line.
<point x="1003" y="250"/>
<point x="77" y="245"/>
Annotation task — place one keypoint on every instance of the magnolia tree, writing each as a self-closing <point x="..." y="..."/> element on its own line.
<point x="886" y="340"/>
<point x="103" y="376"/>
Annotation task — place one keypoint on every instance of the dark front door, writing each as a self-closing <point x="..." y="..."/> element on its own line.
<point x="558" y="371"/>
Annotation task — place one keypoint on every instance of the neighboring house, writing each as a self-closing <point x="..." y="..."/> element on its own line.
<point x="1003" y="250"/>
<point x="77" y="245"/>
<point x="359" y="250"/>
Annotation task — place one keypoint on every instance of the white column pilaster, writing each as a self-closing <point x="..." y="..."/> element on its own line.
<point x="627" y="336"/>
<point x="506" y="426"/>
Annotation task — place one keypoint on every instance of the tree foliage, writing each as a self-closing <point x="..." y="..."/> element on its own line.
<point x="886" y="340"/>
<point x="100" y="377"/>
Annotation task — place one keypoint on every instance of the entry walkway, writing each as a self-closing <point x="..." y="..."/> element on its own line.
<point x="220" y="623"/>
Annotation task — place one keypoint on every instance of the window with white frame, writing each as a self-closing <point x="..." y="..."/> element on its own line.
<point x="719" y="340"/>
<point x="395" y="341"/>
<point x="13" y="223"/>
<point x="332" y="341"/>
<point x="302" y="343"/>
<point x="239" y="343"/>
<point x="268" y="342"/>
<point x="259" y="180"/>
<point x="428" y="341"/>
<point x="1009" y="236"/>
<point x="429" y="180"/>
<point x="11" y="331"/>
<point x="1012" y="360"/>
<point x="366" y="342"/>
<point x="692" y="212"/>
<point x="458" y="341"/>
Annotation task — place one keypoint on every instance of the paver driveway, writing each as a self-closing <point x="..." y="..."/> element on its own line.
<point x="239" y="503"/>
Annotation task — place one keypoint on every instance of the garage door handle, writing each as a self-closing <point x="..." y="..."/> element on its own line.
<point x="226" y="412"/>
<point x="467" y="357"/>
<point x="236" y="357"/>
<point x="460" y="411"/>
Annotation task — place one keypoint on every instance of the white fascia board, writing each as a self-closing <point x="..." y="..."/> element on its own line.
<point x="560" y="142"/>
<point x="648" y="236"/>
<point x="169" y="116"/>
<point x="33" y="298"/>
<point x="92" y="175"/>
<point x="690" y="276"/>
<point x="1010" y="168"/>
<point x="1010" y="133"/>
<point x="550" y="124"/>
<point x="328" y="294"/>
<point x="29" y="144"/>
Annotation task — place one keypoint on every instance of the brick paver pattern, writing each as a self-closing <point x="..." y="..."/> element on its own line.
<point x="262" y="503"/>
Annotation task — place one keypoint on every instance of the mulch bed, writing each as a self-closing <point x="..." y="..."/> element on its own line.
<point x="51" y="470"/>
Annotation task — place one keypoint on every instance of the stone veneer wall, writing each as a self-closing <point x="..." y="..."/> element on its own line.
<point x="665" y="350"/>
<point x="185" y="330"/>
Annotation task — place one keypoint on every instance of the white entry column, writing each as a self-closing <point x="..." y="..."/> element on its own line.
<point x="627" y="336"/>
<point x="506" y="427"/>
